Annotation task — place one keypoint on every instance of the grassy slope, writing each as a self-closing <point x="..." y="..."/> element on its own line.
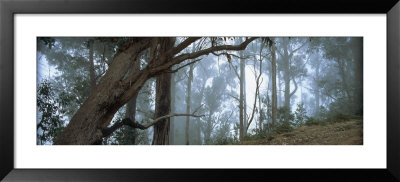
<point x="343" y="133"/>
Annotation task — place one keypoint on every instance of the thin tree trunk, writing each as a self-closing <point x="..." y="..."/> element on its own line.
<point x="274" y="99"/>
<point x="173" y="110"/>
<point x="244" y="96"/>
<point x="317" y="94"/>
<point x="188" y="94"/>
<point x="279" y="101"/>
<point x="198" y="134"/>
<point x="241" y="100"/>
<point x="286" y="78"/>
<point x="259" y="109"/>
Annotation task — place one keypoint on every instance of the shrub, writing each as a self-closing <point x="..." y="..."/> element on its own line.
<point x="284" y="127"/>
<point x="284" y="115"/>
<point x="312" y="121"/>
<point x="300" y="115"/>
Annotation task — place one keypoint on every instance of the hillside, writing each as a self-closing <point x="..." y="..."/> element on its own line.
<point x="341" y="133"/>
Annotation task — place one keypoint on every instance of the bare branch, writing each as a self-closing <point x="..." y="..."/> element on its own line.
<point x="234" y="97"/>
<point x="165" y="65"/>
<point x="201" y="105"/>
<point x="255" y="97"/>
<point x="229" y="55"/>
<point x="295" y="87"/>
<point x="183" y="45"/>
<point x="291" y="54"/>
<point x="134" y="124"/>
<point x="168" y="116"/>
<point x="236" y="73"/>
<point x="187" y="64"/>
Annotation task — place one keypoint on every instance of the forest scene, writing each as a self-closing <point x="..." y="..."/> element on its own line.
<point x="199" y="91"/>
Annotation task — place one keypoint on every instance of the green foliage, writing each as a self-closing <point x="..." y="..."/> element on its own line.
<point x="284" y="115"/>
<point x="223" y="140"/>
<point x="323" y="113"/>
<point x="222" y="135"/>
<point x="258" y="135"/>
<point x="285" y="120"/>
<point x="284" y="127"/>
<point x="314" y="121"/>
<point x="50" y="109"/>
<point x="300" y="114"/>
<point x="334" y="115"/>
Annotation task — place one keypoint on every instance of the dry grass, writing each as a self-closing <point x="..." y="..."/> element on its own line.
<point x="343" y="133"/>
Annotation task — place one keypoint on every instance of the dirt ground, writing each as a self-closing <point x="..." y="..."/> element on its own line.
<point x="342" y="133"/>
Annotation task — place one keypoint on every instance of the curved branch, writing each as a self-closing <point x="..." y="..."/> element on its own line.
<point x="187" y="64"/>
<point x="156" y="68"/>
<point x="234" y="69"/>
<point x="134" y="124"/>
<point x="295" y="87"/>
<point x="255" y="97"/>
<point x="182" y="45"/>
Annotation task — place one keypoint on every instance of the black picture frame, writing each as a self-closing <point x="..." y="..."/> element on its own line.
<point x="8" y="8"/>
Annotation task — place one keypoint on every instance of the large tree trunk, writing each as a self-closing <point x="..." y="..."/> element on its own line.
<point x="110" y="94"/>
<point x="163" y="107"/>
<point x="274" y="99"/>
<point x="188" y="95"/>
<point x="163" y="99"/>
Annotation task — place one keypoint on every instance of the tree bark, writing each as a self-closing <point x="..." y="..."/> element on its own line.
<point x="241" y="100"/>
<point x="188" y="94"/>
<point x="163" y="99"/>
<point x="130" y="133"/>
<point x="274" y="95"/>
<point x="316" y="89"/>
<point x="110" y="94"/>
<point x="279" y="96"/>
<point x="173" y="110"/>
<point x="286" y="77"/>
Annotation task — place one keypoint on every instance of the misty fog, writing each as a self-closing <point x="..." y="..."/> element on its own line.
<point x="127" y="91"/>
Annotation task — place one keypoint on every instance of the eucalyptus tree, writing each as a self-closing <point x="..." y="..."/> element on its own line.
<point x="214" y="96"/>
<point x="117" y="86"/>
<point x="287" y="48"/>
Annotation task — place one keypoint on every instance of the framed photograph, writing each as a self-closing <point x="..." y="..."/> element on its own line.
<point x="283" y="90"/>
